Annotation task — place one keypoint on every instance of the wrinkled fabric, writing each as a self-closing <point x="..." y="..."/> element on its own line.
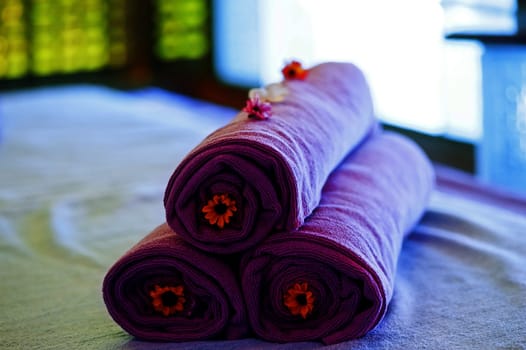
<point x="274" y="169"/>
<point x="346" y="251"/>
<point x="213" y="307"/>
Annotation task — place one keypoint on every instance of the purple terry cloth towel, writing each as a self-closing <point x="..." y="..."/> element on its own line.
<point x="273" y="169"/>
<point x="332" y="279"/>
<point x="165" y="290"/>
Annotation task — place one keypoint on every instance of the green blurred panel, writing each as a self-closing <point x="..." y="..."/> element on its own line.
<point x="197" y="44"/>
<point x="79" y="26"/>
<point x="4" y="45"/>
<point x="13" y="45"/>
<point x="47" y="37"/>
<point x="181" y="29"/>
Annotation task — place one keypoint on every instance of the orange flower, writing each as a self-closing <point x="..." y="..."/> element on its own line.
<point x="219" y="210"/>
<point x="299" y="300"/>
<point x="168" y="300"/>
<point x="294" y="70"/>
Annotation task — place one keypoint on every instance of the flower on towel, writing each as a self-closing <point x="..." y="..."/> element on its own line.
<point x="168" y="300"/>
<point x="294" y="71"/>
<point x="258" y="109"/>
<point x="219" y="210"/>
<point x="261" y="93"/>
<point x="271" y="93"/>
<point x="299" y="300"/>
<point x="276" y="92"/>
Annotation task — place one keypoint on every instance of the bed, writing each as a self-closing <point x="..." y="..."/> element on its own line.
<point x="83" y="169"/>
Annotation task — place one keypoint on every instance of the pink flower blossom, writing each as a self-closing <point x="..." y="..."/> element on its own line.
<point x="258" y="109"/>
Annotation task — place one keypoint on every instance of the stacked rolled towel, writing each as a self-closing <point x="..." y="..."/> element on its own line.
<point x="166" y="290"/>
<point x="332" y="279"/>
<point x="272" y="170"/>
<point x="316" y="199"/>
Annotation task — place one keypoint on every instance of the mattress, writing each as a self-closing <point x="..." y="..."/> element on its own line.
<point x="83" y="169"/>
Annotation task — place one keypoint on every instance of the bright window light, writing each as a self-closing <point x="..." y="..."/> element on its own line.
<point x="418" y="80"/>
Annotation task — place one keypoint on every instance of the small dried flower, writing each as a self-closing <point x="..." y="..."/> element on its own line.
<point x="271" y="93"/>
<point x="276" y="92"/>
<point x="299" y="300"/>
<point x="294" y="70"/>
<point x="219" y="210"/>
<point x="260" y="92"/>
<point x="168" y="300"/>
<point x="258" y="109"/>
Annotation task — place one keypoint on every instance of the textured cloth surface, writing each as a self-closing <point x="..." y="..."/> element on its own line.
<point x="274" y="169"/>
<point x="82" y="175"/>
<point x="213" y="306"/>
<point x="346" y="252"/>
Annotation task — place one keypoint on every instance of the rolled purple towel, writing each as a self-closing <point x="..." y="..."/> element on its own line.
<point x="267" y="175"/>
<point x="332" y="279"/>
<point x="165" y="290"/>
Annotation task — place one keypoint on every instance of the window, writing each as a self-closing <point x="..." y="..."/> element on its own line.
<point x="181" y="29"/>
<point x="415" y="74"/>
<point x="465" y="90"/>
<point x="42" y="37"/>
<point x="13" y="40"/>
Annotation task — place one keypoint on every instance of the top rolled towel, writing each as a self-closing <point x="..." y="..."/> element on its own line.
<point x="252" y="177"/>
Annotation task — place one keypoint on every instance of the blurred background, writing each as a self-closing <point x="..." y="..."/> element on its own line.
<point x="450" y="74"/>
